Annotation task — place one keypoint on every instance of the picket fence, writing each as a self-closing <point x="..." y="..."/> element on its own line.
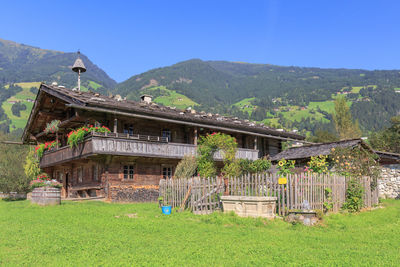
<point x="301" y="191"/>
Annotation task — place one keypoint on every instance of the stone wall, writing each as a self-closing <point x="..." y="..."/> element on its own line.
<point x="389" y="184"/>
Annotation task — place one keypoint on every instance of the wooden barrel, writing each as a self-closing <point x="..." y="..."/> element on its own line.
<point x="46" y="196"/>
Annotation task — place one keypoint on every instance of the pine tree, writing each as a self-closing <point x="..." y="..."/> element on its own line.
<point x="344" y="124"/>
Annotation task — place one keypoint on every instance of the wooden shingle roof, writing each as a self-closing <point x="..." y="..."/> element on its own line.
<point x="78" y="99"/>
<point x="308" y="151"/>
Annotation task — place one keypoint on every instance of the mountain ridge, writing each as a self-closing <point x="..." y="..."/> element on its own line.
<point x="24" y="63"/>
<point x="280" y="96"/>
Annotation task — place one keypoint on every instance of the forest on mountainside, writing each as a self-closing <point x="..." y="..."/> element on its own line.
<point x="283" y="97"/>
<point x="276" y="91"/>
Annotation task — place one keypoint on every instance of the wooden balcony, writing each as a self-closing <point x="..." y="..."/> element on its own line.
<point x="125" y="145"/>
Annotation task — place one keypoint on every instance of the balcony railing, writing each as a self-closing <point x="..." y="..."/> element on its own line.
<point x="130" y="145"/>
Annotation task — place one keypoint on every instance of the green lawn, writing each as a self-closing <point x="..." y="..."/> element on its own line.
<point x="100" y="234"/>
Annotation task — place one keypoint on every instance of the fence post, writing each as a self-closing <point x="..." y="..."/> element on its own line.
<point x="226" y="185"/>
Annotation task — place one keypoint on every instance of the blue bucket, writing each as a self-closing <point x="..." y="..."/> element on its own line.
<point x="166" y="210"/>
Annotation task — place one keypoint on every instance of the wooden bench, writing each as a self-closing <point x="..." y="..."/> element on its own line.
<point x="84" y="191"/>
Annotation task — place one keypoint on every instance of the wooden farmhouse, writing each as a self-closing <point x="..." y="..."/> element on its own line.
<point x="145" y="144"/>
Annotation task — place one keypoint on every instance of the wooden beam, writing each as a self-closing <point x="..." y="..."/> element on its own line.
<point x="50" y="114"/>
<point x="195" y="135"/>
<point x="12" y="143"/>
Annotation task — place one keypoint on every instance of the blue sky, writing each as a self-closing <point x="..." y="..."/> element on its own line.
<point x="129" y="37"/>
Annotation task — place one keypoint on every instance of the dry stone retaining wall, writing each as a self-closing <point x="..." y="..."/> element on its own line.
<point x="389" y="184"/>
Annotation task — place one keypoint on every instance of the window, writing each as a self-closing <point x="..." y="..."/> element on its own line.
<point x="166" y="133"/>
<point x="95" y="173"/>
<point x="128" y="128"/>
<point x="167" y="172"/>
<point x="80" y="174"/>
<point x="128" y="172"/>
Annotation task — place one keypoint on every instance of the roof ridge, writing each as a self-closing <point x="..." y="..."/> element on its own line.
<point x="164" y="111"/>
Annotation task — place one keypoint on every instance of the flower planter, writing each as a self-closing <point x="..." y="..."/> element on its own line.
<point x="243" y="206"/>
<point x="46" y="196"/>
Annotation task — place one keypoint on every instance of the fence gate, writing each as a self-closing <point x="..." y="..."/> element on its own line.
<point x="205" y="195"/>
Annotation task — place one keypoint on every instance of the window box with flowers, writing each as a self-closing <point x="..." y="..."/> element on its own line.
<point x="77" y="136"/>
<point x="41" y="148"/>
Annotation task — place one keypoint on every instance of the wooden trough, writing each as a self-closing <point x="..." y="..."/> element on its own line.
<point x="247" y="206"/>
<point x="45" y="196"/>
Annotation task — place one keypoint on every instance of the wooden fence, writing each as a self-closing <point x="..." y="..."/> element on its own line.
<point x="301" y="191"/>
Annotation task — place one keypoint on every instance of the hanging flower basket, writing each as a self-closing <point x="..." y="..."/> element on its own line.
<point x="52" y="127"/>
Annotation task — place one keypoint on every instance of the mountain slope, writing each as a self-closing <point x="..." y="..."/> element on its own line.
<point x="23" y="67"/>
<point x="286" y="96"/>
<point x="23" y="63"/>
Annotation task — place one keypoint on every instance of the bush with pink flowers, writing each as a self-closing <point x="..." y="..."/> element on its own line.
<point x="43" y="180"/>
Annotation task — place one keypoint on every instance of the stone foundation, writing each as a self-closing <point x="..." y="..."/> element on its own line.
<point x="389" y="184"/>
<point x="134" y="194"/>
<point x="12" y="195"/>
<point x="306" y="217"/>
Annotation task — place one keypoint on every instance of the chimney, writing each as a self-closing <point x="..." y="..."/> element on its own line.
<point x="146" y="99"/>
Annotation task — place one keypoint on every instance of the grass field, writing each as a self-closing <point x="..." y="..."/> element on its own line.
<point x="245" y="105"/>
<point x="100" y="234"/>
<point x="94" y="85"/>
<point x="172" y="98"/>
<point x="19" y="122"/>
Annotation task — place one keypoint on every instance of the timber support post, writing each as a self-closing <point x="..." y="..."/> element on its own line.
<point x="115" y="125"/>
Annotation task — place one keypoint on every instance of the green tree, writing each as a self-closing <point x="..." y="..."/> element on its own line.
<point x="388" y="139"/>
<point x="322" y="136"/>
<point x="12" y="176"/>
<point x="344" y="124"/>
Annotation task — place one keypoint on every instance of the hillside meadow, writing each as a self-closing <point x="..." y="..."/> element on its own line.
<point x="104" y="234"/>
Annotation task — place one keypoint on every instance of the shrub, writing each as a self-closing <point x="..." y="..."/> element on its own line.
<point x="354" y="193"/>
<point x="31" y="166"/>
<point x="356" y="163"/>
<point x="186" y="168"/>
<point x="250" y="166"/>
<point x="206" y="149"/>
